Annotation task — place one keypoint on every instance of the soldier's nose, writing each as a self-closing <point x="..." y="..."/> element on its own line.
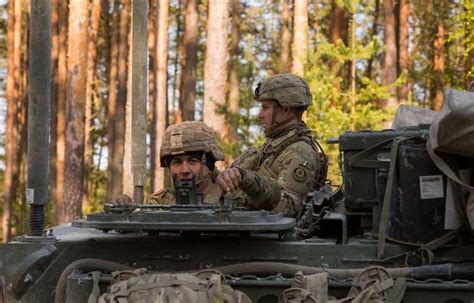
<point x="185" y="168"/>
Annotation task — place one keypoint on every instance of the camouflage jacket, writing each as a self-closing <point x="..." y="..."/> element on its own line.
<point x="279" y="175"/>
<point x="211" y="194"/>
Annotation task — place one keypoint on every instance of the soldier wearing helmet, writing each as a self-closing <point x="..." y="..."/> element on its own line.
<point x="291" y="163"/>
<point x="190" y="149"/>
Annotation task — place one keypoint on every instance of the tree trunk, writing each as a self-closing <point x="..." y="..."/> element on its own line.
<point x="338" y="23"/>
<point x="438" y="64"/>
<point x="54" y="86"/>
<point x="152" y="71"/>
<point x="389" y="73"/>
<point x="113" y="175"/>
<point x="106" y="17"/>
<point x="187" y="94"/>
<point x="403" y="46"/>
<point x="127" y="177"/>
<point x="75" y="110"/>
<point x="122" y="96"/>
<point x="61" y="108"/>
<point x="90" y="93"/>
<point x="215" y="66"/>
<point x="338" y="32"/>
<point x="177" y="52"/>
<point x="11" y="131"/>
<point x="374" y="33"/>
<point x="231" y="134"/>
<point x="285" y="37"/>
<point x="300" y="37"/>
<point x="21" y="218"/>
<point x="161" y="113"/>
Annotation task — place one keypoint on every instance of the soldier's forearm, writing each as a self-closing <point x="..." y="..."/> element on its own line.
<point x="264" y="193"/>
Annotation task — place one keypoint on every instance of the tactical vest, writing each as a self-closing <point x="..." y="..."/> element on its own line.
<point x="261" y="159"/>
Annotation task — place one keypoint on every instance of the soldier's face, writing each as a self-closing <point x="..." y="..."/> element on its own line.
<point x="187" y="166"/>
<point x="271" y="112"/>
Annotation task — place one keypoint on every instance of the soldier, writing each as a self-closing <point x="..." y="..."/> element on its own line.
<point x="291" y="163"/>
<point x="190" y="149"/>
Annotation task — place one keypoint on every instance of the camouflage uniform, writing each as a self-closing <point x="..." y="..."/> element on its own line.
<point x="190" y="137"/>
<point x="291" y="163"/>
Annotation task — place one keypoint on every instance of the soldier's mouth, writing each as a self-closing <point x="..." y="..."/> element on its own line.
<point x="185" y="179"/>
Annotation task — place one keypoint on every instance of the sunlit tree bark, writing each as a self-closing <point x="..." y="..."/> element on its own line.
<point x="230" y="133"/>
<point x="215" y="67"/>
<point x="174" y="107"/>
<point x="187" y="95"/>
<point x="161" y="112"/>
<point x="10" y="180"/>
<point x="285" y="37"/>
<point x="403" y="46"/>
<point x="439" y="61"/>
<point x="75" y="110"/>
<point x="122" y="97"/>
<point x="300" y="37"/>
<point x="152" y="74"/>
<point x="338" y="23"/>
<point x="389" y="73"/>
<point x="375" y="26"/>
<point x="90" y="93"/>
<point x="54" y="84"/>
<point x="113" y="172"/>
<point x="61" y="107"/>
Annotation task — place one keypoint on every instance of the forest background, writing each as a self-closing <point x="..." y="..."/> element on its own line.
<point x="361" y="59"/>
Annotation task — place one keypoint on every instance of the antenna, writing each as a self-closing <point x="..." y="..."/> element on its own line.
<point x="39" y="100"/>
<point x="139" y="50"/>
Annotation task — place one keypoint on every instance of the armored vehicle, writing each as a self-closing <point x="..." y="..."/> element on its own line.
<point x="391" y="227"/>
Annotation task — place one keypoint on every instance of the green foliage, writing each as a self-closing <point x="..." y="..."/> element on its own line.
<point x="461" y="40"/>
<point x="335" y="109"/>
<point x="245" y="121"/>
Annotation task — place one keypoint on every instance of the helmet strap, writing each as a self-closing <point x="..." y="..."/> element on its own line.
<point x="274" y="113"/>
<point x="277" y="127"/>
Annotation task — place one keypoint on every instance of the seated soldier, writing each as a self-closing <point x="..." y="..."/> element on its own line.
<point x="291" y="163"/>
<point x="190" y="149"/>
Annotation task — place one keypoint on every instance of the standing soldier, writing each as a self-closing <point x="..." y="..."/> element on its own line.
<point x="291" y="163"/>
<point x="190" y="149"/>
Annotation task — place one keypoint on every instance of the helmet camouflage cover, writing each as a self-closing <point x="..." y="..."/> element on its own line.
<point x="189" y="136"/>
<point x="289" y="90"/>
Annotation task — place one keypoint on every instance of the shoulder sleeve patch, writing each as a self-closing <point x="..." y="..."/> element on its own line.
<point x="299" y="174"/>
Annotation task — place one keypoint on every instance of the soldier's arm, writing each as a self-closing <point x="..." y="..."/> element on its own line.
<point x="286" y="193"/>
<point x="161" y="197"/>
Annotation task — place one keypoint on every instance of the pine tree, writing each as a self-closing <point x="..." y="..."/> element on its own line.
<point x="161" y="113"/>
<point x="75" y="110"/>
<point x="187" y="94"/>
<point x="215" y="68"/>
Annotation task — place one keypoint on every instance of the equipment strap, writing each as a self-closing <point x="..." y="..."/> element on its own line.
<point x="438" y="242"/>
<point x="388" y="193"/>
<point x="444" y="167"/>
<point x="95" y="293"/>
<point x="355" y="159"/>
<point x="397" y="292"/>
<point x="457" y="184"/>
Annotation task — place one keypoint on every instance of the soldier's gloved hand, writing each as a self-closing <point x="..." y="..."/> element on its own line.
<point x="229" y="179"/>
<point x="123" y="199"/>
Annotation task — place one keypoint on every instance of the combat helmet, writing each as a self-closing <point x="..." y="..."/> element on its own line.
<point x="189" y="137"/>
<point x="288" y="89"/>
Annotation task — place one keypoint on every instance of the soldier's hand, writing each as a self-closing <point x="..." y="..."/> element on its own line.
<point x="229" y="179"/>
